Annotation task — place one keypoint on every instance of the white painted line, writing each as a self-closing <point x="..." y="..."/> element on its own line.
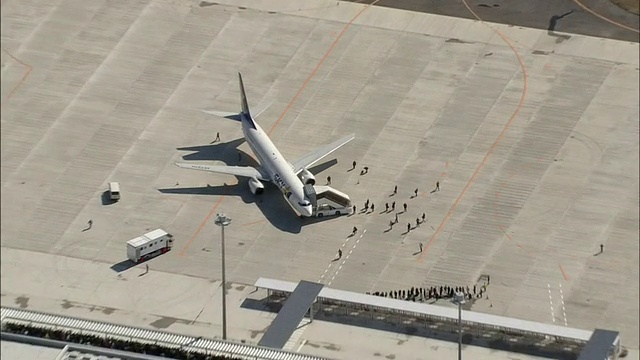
<point x="302" y="344"/>
<point x="564" y="312"/>
<point x="553" y="317"/>
<point x="346" y="258"/>
<point x="297" y="334"/>
<point x="344" y="243"/>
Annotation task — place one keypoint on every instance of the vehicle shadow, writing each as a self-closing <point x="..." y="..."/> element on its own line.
<point x="123" y="266"/>
<point x="314" y="220"/>
<point x="105" y="198"/>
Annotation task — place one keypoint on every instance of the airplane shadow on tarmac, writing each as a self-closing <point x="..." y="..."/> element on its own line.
<point x="271" y="202"/>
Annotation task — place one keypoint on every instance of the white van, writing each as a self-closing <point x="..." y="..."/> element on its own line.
<point x="114" y="191"/>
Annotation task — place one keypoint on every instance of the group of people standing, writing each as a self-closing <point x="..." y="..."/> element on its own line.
<point x="434" y="292"/>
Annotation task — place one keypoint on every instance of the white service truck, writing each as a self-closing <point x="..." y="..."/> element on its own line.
<point x="114" y="191"/>
<point x="330" y="201"/>
<point x="149" y="245"/>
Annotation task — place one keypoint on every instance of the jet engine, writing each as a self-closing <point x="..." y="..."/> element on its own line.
<point x="307" y="177"/>
<point x="256" y="186"/>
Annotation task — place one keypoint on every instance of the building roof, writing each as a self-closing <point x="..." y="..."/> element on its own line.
<point x="21" y="351"/>
<point x="599" y="345"/>
<point x="290" y="315"/>
<point x="451" y="314"/>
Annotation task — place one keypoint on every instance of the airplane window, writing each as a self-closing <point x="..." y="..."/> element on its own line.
<point x="304" y="203"/>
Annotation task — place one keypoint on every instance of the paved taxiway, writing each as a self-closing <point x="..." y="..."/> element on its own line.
<point x="538" y="161"/>
<point x="600" y="18"/>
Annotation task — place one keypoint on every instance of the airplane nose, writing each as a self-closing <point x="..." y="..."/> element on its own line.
<point x="308" y="211"/>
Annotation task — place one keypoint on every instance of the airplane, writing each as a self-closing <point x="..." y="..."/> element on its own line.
<point x="274" y="167"/>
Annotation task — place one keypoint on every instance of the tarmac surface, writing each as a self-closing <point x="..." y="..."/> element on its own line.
<point x="18" y="351"/>
<point x="533" y="136"/>
<point x="600" y="18"/>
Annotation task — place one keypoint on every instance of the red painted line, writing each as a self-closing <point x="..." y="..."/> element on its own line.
<point x="202" y="224"/>
<point x="564" y="274"/>
<point x="313" y="73"/>
<point x="604" y="18"/>
<point x="22" y="79"/>
<point x="524" y="72"/>
<point x="252" y="223"/>
<point x="335" y="42"/>
<point x="493" y="146"/>
<point x="505" y="232"/>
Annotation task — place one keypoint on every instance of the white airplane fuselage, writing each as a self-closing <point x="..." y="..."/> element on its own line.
<point x="278" y="169"/>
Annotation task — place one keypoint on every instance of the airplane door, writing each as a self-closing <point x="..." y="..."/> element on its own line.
<point x="310" y="192"/>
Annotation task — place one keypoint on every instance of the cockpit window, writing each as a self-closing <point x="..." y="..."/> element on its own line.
<point x="304" y="203"/>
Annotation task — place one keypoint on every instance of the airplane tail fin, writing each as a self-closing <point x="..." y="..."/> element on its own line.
<point x="243" y="98"/>
<point x="245" y="109"/>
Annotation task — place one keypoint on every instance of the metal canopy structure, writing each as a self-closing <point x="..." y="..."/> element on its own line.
<point x="292" y="312"/>
<point x="434" y="311"/>
<point x="602" y="345"/>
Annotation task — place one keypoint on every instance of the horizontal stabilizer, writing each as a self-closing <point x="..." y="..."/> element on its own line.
<point x="243" y="171"/>
<point x="223" y="114"/>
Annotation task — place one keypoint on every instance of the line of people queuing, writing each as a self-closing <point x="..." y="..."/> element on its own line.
<point x="434" y="292"/>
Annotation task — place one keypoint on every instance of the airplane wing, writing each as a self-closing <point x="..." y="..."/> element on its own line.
<point x="319" y="154"/>
<point x="244" y="171"/>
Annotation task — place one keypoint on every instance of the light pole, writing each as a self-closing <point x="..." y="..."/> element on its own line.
<point x="222" y="221"/>
<point x="459" y="299"/>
